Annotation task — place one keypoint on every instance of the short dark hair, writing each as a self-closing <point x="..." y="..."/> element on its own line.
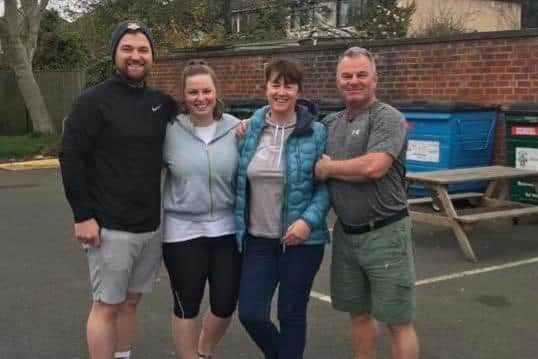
<point x="288" y="70"/>
<point x="200" y="67"/>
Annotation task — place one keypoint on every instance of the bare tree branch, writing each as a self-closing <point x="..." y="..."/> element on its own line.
<point x="3" y="27"/>
<point x="31" y="13"/>
<point x="33" y="31"/>
<point x="11" y="12"/>
<point x="21" y="21"/>
<point x="28" y="7"/>
<point x="43" y="5"/>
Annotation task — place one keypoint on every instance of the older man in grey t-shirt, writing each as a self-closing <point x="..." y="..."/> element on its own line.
<point x="380" y="129"/>
<point x="372" y="270"/>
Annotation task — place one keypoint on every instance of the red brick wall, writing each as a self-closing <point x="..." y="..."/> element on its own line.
<point x="483" y="68"/>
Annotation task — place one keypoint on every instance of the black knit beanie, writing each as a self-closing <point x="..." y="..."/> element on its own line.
<point x="129" y="26"/>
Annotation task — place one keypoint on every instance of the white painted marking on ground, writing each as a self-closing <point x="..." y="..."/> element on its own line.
<point x="320" y="296"/>
<point x="477" y="271"/>
<point x="442" y="278"/>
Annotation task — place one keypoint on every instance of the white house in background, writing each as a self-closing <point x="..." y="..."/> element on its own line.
<point x="474" y="15"/>
<point x="323" y="16"/>
<point x="332" y="18"/>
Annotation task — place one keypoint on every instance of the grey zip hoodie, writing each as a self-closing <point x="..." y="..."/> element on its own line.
<point x="200" y="178"/>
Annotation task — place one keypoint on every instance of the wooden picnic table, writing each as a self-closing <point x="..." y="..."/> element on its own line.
<point x="491" y="204"/>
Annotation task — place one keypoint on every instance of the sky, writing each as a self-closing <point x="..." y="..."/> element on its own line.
<point x="59" y="5"/>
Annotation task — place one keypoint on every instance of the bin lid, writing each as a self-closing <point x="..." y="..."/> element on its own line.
<point x="250" y="103"/>
<point x="330" y="105"/>
<point x="530" y="108"/>
<point x="439" y="106"/>
<point x="255" y="103"/>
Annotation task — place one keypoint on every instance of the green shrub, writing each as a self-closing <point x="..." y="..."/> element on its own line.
<point x="98" y="71"/>
<point x="28" y="146"/>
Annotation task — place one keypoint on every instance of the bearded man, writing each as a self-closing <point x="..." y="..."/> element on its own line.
<point x="111" y="167"/>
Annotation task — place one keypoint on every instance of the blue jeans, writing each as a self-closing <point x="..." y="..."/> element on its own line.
<point x="265" y="265"/>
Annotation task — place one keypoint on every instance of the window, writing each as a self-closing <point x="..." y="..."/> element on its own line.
<point x="350" y="11"/>
<point x="236" y="22"/>
<point x="244" y="21"/>
<point x="294" y="21"/>
<point x="342" y="13"/>
<point x="304" y="17"/>
<point x="529" y="14"/>
<point x="309" y="17"/>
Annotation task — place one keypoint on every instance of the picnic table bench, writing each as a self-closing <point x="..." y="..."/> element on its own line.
<point x="491" y="204"/>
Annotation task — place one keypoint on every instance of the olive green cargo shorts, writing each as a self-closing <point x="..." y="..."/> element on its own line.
<point x="374" y="272"/>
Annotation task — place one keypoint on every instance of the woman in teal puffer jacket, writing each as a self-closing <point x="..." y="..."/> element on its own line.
<point x="280" y="214"/>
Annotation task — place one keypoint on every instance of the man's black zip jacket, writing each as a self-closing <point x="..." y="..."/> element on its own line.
<point x="111" y="156"/>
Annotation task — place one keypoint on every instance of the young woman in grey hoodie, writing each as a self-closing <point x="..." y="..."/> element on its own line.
<point x="200" y="155"/>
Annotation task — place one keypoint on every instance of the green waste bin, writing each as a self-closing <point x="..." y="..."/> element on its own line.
<point x="522" y="147"/>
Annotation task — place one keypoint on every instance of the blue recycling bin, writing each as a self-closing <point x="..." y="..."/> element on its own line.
<point x="448" y="135"/>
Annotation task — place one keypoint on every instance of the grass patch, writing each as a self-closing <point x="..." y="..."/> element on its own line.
<point x="27" y="146"/>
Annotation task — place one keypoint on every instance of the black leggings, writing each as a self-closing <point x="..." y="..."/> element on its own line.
<point x="191" y="263"/>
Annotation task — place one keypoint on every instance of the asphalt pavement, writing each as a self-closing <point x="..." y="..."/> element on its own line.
<point x="485" y="310"/>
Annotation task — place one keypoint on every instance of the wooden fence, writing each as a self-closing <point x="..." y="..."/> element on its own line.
<point x="59" y="89"/>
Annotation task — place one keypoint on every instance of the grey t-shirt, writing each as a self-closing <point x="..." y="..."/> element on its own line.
<point x="380" y="128"/>
<point x="266" y="176"/>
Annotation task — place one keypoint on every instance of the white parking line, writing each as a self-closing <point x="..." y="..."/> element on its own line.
<point x="442" y="278"/>
<point x="477" y="271"/>
<point x="320" y="296"/>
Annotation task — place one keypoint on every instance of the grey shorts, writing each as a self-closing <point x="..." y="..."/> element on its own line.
<point x="124" y="263"/>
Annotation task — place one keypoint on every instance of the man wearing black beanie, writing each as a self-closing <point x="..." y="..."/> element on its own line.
<point x="111" y="168"/>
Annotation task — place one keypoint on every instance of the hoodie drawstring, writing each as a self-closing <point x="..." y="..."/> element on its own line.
<point x="275" y="134"/>
<point x="281" y="145"/>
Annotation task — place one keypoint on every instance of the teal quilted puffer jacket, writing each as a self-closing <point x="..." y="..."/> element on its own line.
<point x="304" y="198"/>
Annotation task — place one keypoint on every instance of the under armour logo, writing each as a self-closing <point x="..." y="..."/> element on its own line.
<point x="155" y="108"/>
<point x="356" y="131"/>
<point x="133" y="26"/>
